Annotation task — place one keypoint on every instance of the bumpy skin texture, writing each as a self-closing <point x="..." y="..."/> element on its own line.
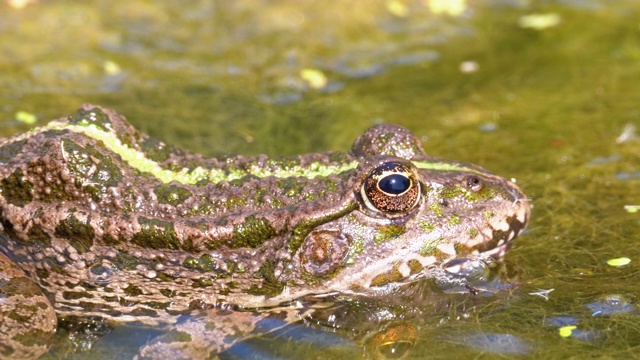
<point x="27" y="319"/>
<point x="109" y="222"/>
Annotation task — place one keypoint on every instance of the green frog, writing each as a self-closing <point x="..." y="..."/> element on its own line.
<point x="99" y="219"/>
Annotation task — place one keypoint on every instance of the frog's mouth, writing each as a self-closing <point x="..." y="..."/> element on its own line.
<point x="499" y="251"/>
<point x="465" y="255"/>
<point x="415" y="269"/>
<point x="497" y="230"/>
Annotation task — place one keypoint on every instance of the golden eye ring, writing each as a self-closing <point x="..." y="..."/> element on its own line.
<point x="391" y="188"/>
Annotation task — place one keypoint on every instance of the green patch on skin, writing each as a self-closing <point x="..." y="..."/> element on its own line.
<point x="143" y="312"/>
<point x="252" y="233"/>
<point x="93" y="306"/>
<point x="22" y="313"/>
<point x="233" y="267"/>
<point x="461" y="249"/>
<point x="451" y="192"/>
<point x="296" y="187"/>
<point x="37" y="236"/>
<point x="57" y="191"/>
<point x="156" y="150"/>
<point x="87" y="285"/>
<point x="34" y="337"/>
<point x="388" y="232"/>
<point x="486" y="192"/>
<point x="436" y="208"/>
<point x="338" y="158"/>
<point x="203" y="282"/>
<point x="291" y="187"/>
<point x="94" y="171"/>
<point x="157" y="305"/>
<point x="167" y="292"/>
<point x="356" y="247"/>
<point x="132" y="290"/>
<point x="224" y="292"/>
<point x="94" y="117"/>
<point x="270" y="285"/>
<point x="454" y="220"/>
<point x="19" y="286"/>
<point x="473" y="233"/>
<point x="283" y="163"/>
<point x="15" y="189"/>
<point x="173" y="336"/>
<point x="243" y="180"/>
<point x="164" y="277"/>
<point x="489" y="214"/>
<point x="415" y="266"/>
<point x="54" y="266"/>
<point x="158" y="234"/>
<point x="7" y="351"/>
<point x="10" y="151"/>
<point x="42" y="273"/>
<point x="235" y="202"/>
<point x="205" y="263"/>
<point x="171" y="194"/>
<point x="128" y="207"/>
<point x="390" y="276"/>
<point x="126" y="261"/>
<point x="330" y="184"/>
<point x="427" y="227"/>
<point x="79" y="234"/>
<point x="259" y="195"/>
<point x="429" y="247"/>
<point x="203" y="209"/>
<point x="111" y="299"/>
<point x="110" y="240"/>
<point x="74" y="295"/>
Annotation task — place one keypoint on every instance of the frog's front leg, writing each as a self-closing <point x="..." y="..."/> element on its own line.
<point x="27" y="319"/>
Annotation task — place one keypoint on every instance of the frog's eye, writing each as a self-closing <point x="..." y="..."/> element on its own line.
<point x="391" y="188"/>
<point x="473" y="183"/>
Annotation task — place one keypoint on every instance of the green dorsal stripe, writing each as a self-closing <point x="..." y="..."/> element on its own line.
<point x="443" y="166"/>
<point x="139" y="161"/>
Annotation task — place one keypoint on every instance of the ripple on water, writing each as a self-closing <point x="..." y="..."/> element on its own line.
<point x="496" y="343"/>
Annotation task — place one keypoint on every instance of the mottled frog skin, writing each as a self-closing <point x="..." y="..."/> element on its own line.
<point x="101" y="220"/>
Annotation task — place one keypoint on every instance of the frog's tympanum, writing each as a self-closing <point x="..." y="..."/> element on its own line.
<point x="101" y="220"/>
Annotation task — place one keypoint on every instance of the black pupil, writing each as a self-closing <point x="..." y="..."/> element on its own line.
<point x="394" y="184"/>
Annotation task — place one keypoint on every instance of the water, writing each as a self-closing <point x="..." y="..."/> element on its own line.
<point x="539" y="98"/>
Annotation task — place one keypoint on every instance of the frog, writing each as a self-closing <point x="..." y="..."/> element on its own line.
<point x="100" y="219"/>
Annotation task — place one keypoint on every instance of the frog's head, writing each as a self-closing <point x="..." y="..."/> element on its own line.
<point x="413" y="212"/>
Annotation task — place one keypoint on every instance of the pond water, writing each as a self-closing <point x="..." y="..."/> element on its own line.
<point x="541" y="91"/>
